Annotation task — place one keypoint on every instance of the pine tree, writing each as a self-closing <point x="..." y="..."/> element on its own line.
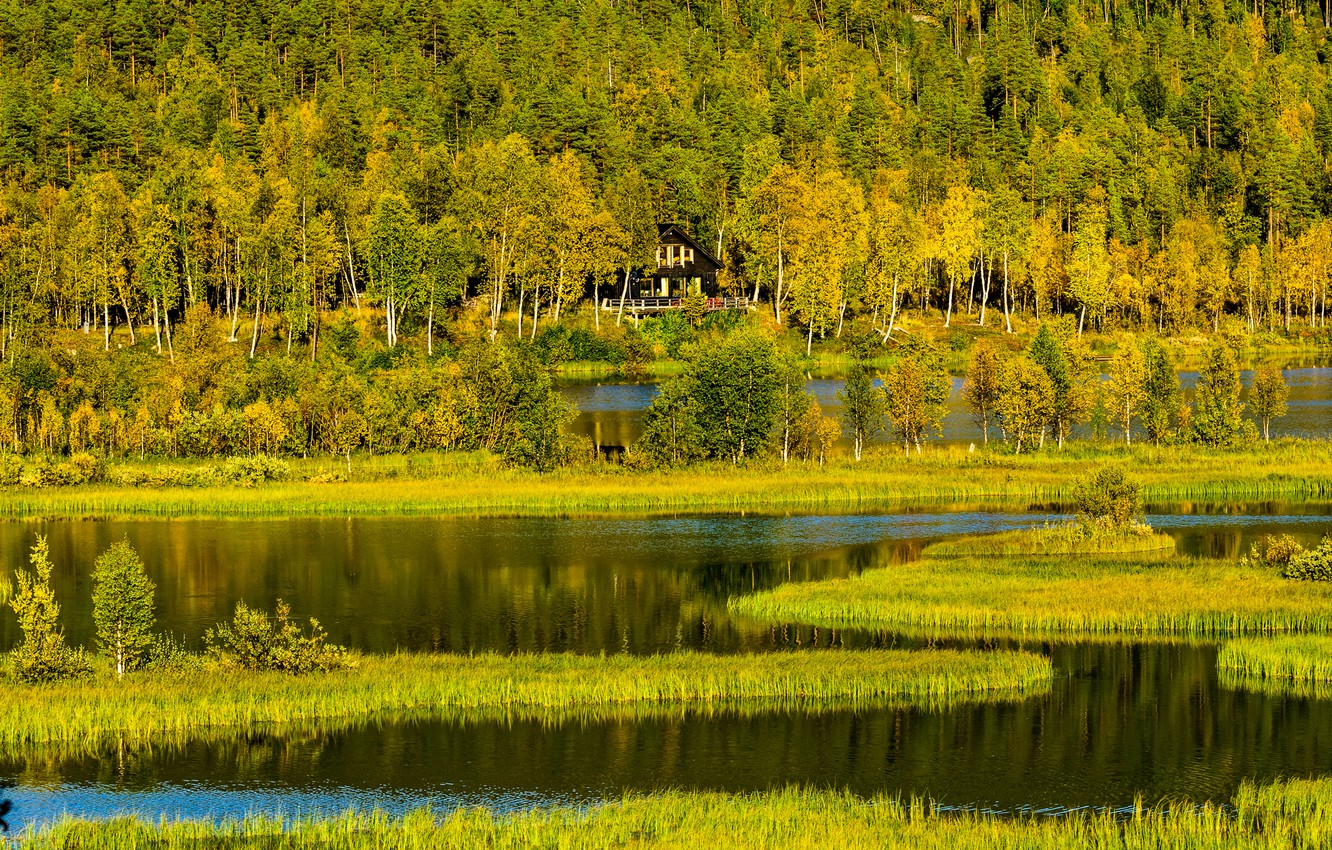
<point x="1072" y="399"/>
<point x="123" y="606"/>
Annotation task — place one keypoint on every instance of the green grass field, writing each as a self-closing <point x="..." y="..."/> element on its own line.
<point x="1039" y="597"/>
<point x="470" y="484"/>
<point x="153" y="706"/>
<point x="1291" y="815"/>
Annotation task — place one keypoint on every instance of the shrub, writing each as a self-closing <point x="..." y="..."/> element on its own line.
<point x="43" y="656"/>
<point x="39" y="473"/>
<point x="1108" y="498"/>
<point x="1311" y="564"/>
<point x="255" y="470"/>
<point x="1274" y="552"/>
<point x="557" y="344"/>
<point x="255" y="641"/>
<point x="90" y="468"/>
<point x="11" y="469"/>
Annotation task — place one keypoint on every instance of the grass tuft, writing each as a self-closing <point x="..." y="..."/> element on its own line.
<point x="1294" y="665"/>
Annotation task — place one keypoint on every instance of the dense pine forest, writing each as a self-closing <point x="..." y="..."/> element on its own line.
<point x="293" y="182"/>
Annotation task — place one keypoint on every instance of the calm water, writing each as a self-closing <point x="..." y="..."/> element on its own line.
<point x="612" y="413"/>
<point x="584" y="585"/>
<point x="1120" y="720"/>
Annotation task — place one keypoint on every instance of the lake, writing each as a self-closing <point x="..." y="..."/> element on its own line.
<point x="1120" y="720"/>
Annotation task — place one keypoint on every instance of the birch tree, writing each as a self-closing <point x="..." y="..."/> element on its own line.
<point x="498" y="201"/>
<point x="959" y="238"/>
<point x="123" y="607"/>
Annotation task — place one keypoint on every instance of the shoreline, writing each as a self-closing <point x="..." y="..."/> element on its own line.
<point x="470" y="486"/>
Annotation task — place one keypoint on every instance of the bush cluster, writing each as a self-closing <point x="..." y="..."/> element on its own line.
<point x="1311" y="564"/>
<point x="1108" y="499"/>
<point x="255" y="641"/>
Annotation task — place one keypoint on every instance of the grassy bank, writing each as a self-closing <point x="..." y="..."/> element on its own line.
<point x="432" y="485"/>
<point x="1055" y="540"/>
<point x="151" y="706"/>
<point x="977" y="596"/>
<point x="1293" y="814"/>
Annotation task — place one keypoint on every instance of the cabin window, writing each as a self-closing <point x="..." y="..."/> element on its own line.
<point x="664" y="286"/>
<point x="688" y="255"/>
<point x="658" y="258"/>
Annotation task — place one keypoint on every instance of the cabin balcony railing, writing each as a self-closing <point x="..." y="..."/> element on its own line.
<point x="660" y="304"/>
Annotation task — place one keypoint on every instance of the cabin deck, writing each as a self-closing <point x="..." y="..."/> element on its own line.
<point x="661" y="305"/>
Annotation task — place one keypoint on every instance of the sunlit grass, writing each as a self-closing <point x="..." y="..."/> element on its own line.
<point x="1295" y="665"/>
<point x="1068" y="539"/>
<point x="151" y="706"/>
<point x="1292" y="814"/>
<point x="474" y="485"/>
<point x="1027" y="596"/>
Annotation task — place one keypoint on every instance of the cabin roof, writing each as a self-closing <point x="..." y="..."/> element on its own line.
<point x="670" y="229"/>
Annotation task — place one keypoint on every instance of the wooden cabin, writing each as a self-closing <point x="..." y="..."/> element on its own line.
<point x="684" y="267"/>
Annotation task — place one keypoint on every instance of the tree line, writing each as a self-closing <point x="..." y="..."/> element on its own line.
<point x="745" y="398"/>
<point x="214" y="402"/>
<point x="1163" y="166"/>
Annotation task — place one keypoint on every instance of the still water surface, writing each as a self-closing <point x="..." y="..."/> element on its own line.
<point x="461" y="584"/>
<point x="1121" y="720"/>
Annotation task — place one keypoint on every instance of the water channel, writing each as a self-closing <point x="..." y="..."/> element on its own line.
<point x="1121" y="720"/>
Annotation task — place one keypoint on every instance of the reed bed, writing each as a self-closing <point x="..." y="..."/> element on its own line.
<point x="1055" y="540"/>
<point x="151" y="706"/>
<point x="1291" y="815"/>
<point x="1044" y="597"/>
<point x="1299" y="663"/>
<point x="471" y="486"/>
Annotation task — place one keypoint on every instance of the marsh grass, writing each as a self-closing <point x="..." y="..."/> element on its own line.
<point x="152" y="706"/>
<point x="1068" y="539"/>
<point x="1296" y="665"/>
<point x="1291" y="814"/>
<point x="979" y="596"/>
<point x="475" y="485"/>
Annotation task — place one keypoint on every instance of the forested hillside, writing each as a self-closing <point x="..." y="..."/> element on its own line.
<point x="445" y="171"/>
<point x="1151" y="164"/>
